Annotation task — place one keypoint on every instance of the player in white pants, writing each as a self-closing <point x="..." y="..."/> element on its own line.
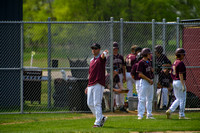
<point x="118" y="61"/>
<point x="135" y="75"/>
<point x="130" y="61"/>
<point x="146" y="91"/>
<point x="178" y="74"/>
<point x="96" y="84"/>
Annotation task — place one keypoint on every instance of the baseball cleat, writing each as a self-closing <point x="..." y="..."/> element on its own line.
<point x="168" y="113"/>
<point x="139" y="118"/>
<point x="150" y="117"/>
<point x="103" y="121"/>
<point x="96" y="126"/>
<point x="183" y="117"/>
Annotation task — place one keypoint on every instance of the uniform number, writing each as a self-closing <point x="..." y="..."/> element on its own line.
<point x="128" y="62"/>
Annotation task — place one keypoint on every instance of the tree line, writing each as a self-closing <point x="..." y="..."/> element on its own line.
<point x="102" y="10"/>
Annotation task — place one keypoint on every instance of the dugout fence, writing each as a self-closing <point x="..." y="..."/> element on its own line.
<point x="60" y="52"/>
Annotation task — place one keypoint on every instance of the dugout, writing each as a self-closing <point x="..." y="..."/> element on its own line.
<point x="191" y="44"/>
<point x="10" y="52"/>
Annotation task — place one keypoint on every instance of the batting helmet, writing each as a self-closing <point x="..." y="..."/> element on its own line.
<point x="180" y="51"/>
<point x="159" y="49"/>
<point x="145" y="51"/>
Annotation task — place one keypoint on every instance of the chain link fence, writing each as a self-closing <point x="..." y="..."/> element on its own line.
<point x="47" y="70"/>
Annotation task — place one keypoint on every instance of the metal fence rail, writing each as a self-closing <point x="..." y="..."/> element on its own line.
<point x="54" y="59"/>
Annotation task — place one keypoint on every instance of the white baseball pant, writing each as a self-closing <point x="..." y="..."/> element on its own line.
<point x="164" y="97"/>
<point x="120" y="97"/>
<point x="137" y="87"/>
<point x="129" y="81"/>
<point x="94" y="100"/>
<point x="146" y="97"/>
<point x="180" y="98"/>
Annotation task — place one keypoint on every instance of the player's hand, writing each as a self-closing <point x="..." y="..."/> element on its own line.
<point x="86" y="90"/>
<point x="117" y="90"/>
<point x="150" y="82"/>
<point x="105" y="52"/>
<point x="183" y="88"/>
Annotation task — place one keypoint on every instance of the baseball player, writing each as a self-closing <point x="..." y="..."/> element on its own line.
<point x="164" y="83"/>
<point x="135" y="75"/>
<point x="96" y="84"/>
<point x="161" y="61"/>
<point x="118" y="61"/>
<point x="145" y="71"/>
<point x="130" y="61"/>
<point x="117" y="87"/>
<point x="178" y="73"/>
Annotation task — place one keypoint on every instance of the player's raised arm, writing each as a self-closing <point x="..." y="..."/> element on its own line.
<point x="104" y="54"/>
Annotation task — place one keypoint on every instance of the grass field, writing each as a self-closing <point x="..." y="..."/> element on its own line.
<point x="76" y="122"/>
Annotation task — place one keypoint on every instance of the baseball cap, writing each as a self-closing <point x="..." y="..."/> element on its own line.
<point x="95" y="45"/>
<point x="134" y="46"/>
<point x="138" y="49"/>
<point x="145" y="51"/>
<point x="115" y="45"/>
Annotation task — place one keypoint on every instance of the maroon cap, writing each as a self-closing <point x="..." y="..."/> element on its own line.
<point x="95" y="45"/>
<point x="115" y="45"/>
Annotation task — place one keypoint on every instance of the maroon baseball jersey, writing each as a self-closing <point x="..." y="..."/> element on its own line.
<point x="118" y="61"/>
<point x="134" y="73"/>
<point x="165" y="79"/>
<point x="130" y="61"/>
<point x="144" y="67"/>
<point x="97" y="71"/>
<point x="178" y="67"/>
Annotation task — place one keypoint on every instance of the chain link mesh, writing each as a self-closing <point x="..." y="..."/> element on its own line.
<point x="56" y="58"/>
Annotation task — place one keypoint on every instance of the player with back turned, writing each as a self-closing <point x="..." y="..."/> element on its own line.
<point x="178" y="73"/>
<point x="130" y="61"/>
<point x="96" y="84"/>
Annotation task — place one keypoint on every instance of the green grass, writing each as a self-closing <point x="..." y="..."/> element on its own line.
<point x="63" y="123"/>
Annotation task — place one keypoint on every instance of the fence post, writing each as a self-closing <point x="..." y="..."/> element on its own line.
<point x="177" y="32"/>
<point x="111" y="62"/>
<point x="21" y="67"/>
<point x="121" y="36"/>
<point x="164" y="36"/>
<point x="49" y="63"/>
<point x="153" y="51"/>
